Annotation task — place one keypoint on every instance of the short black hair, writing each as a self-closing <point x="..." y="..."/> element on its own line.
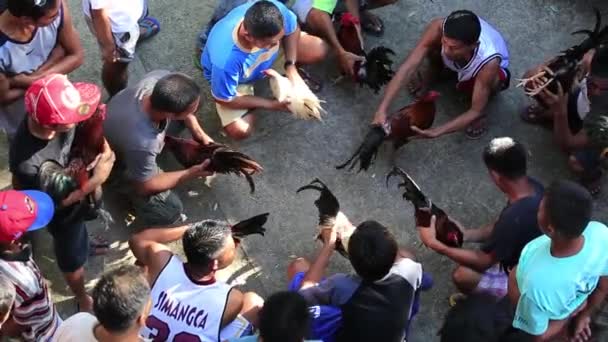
<point x="204" y="240"/>
<point x="7" y="295"/>
<point x="372" y="250"/>
<point x="284" y="318"/>
<point x="507" y="157"/>
<point x="477" y="318"/>
<point x="34" y="9"/>
<point x="462" y="25"/>
<point x="120" y="297"/>
<point x="263" y="20"/>
<point x="568" y="207"/>
<point x="174" y="93"/>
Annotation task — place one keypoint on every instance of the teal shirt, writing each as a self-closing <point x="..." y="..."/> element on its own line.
<point x="552" y="288"/>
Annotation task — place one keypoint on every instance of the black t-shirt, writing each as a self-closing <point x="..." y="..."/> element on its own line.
<point x="515" y="227"/>
<point x="28" y="152"/>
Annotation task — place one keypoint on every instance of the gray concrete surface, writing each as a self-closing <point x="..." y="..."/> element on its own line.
<point x="293" y="152"/>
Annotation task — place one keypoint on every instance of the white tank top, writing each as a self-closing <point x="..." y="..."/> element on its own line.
<point x="183" y="310"/>
<point x="27" y="57"/>
<point x="491" y="45"/>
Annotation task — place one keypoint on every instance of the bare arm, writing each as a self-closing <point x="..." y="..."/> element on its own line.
<point x="472" y="258"/>
<point x="558" y="104"/>
<point x="148" y="247"/>
<point x="233" y="307"/>
<point x="103" y="32"/>
<point x="69" y="39"/>
<point x="314" y="275"/>
<point x="168" y="180"/>
<point x="321" y="25"/>
<point x="431" y="37"/>
<point x="252" y="102"/>
<point x="8" y="95"/>
<point x="478" y="234"/>
<point x="196" y="130"/>
<point x="290" y="45"/>
<point x="582" y="330"/>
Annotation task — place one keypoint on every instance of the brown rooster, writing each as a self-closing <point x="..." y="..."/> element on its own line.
<point x="329" y="214"/>
<point x="223" y="159"/>
<point x="447" y="231"/>
<point x="59" y="182"/>
<point x="376" y="71"/>
<point x="250" y="226"/>
<point x="397" y="128"/>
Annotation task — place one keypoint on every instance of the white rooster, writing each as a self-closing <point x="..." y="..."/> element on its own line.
<point x="303" y="103"/>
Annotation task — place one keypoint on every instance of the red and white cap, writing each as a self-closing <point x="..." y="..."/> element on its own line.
<point x="54" y="100"/>
<point x="22" y="211"/>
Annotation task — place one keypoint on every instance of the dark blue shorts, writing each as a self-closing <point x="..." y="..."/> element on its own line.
<point x="71" y="244"/>
<point x="326" y="320"/>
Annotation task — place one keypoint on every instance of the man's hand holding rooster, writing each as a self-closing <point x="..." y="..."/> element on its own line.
<point x="428" y="235"/>
<point x="347" y="61"/>
<point x="430" y="133"/>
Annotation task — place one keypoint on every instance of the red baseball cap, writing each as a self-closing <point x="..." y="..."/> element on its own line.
<point x="54" y="100"/>
<point x="22" y="211"/>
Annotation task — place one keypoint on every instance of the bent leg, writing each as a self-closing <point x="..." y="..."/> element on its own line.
<point x="241" y="128"/>
<point x="465" y="279"/>
<point x="157" y="210"/>
<point x="114" y="77"/>
<point x="252" y="303"/>
<point x="311" y="49"/>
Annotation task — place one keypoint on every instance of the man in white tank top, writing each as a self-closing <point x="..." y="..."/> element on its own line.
<point x="188" y="303"/>
<point x="467" y="45"/>
<point x="37" y="38"/>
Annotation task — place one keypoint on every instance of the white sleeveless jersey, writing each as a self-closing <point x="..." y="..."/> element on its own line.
<point x="491" y="45"/>
<point x="185" y="311"/>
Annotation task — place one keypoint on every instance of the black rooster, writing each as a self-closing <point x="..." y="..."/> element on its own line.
<point x="329" y="209"/>
<point x="250" y="226"/>
<point x="564" y="67"/>
<point x="376" y="71"/>
<point x="447" y="231"/>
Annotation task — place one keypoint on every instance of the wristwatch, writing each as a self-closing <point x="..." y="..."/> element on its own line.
<point x="289" y="63"/>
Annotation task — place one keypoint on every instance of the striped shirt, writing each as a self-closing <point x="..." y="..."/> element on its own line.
<point x="33" y="308"/>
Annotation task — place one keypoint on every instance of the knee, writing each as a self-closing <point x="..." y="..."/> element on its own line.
<point x="320" y="52"/>
<point x="459" y="276"/>
<point x="297" y="266"/>
<point x="252" y="300"/>
<point x="239" y="130"/>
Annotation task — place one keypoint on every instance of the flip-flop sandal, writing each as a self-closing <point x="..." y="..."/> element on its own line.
<point x="151" y="28"/>
<point x="313" y="84"/>
<point x="531" y="115"/>
<point x="477" y="129"/>
<point x="455" y="298"/>
<point x="372" y="24"/>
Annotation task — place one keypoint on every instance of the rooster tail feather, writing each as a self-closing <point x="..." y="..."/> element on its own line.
<point x="341" y="166"/>
<point x="249" y="180"/>
<point x="250" y="226"/>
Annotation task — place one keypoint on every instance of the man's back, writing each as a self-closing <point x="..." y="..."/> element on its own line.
<point x="182" y="306"/>
<point x="553" y="288"/>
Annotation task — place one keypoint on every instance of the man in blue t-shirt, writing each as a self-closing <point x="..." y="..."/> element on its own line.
<point x="561" y="275"/>
<point x="485" y="270"/>
<point x="244" y="44"/>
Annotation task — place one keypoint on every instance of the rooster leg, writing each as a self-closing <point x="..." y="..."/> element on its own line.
<point x="337" y="80"/>
<point x="396" y="171"/>
<point x="341" y="166"/>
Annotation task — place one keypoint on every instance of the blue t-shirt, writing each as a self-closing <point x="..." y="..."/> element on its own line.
<point x="226" y="64"/>
<point x="552" y="288"/>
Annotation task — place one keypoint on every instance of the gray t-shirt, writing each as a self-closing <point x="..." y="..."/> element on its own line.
<point x="130" y="132"/>
<point x="25" y="58"/>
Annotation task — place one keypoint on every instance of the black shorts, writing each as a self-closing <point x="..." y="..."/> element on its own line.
<point x="71" y="244"/>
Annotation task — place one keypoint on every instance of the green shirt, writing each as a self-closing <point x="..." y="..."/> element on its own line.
<point x="325" y="5"/>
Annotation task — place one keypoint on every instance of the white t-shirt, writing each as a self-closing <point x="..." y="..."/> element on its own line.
<point x="123" y="14"/>
<point x="78" y="328"/>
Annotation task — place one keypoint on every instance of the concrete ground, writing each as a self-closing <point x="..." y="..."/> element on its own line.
<point x="294" y="152"/>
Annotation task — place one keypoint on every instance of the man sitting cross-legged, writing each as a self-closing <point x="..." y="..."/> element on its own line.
<point x="187" y="300"/>
<point x="240" y="47"/>
<point x="467" y="45"/>
<point x="486" y="270"/>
